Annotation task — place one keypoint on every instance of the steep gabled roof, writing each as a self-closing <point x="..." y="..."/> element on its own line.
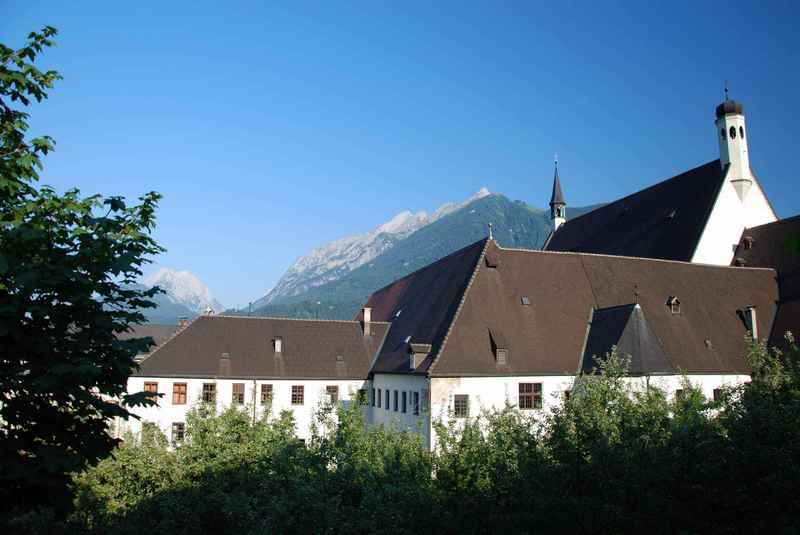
<point x="547" y="336"/>
<point x="310" y="349"/>
<point x="421" y="307"/>
<point x="557" y="197"/>
<point x="777" y="245"/>
<point x="624" y="328"/>
<point x="663" y="221"/>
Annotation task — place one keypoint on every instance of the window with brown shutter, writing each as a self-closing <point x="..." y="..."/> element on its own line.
<point x="151" y="389"/>
<point x="237" y="398"/>
<point x="530" y="396"/>
<point x="209" y="392"/>
<point x="461" y="406"/>
<point x="298" y="394"/>
<point x="179" y="393"/>
<point x="266" y="394"/>
<point x="333" y="393"/>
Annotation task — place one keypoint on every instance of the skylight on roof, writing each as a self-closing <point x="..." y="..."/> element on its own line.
<point x="397" y="314"/>
<point x="408" y="339"/>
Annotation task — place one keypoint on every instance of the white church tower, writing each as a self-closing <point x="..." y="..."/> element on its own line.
<point x="733" y="145"/>
<point x="558" y="206"/>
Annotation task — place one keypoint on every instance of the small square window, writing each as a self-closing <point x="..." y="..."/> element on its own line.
<point x="178" y="432"/>
<point x="525" y="300"/>
<point x="179" y="393"/>
<point x="237" y="398"/>
<point x="530" y="396"/>
<point x="298" y="394"/>
<point x="209" y="392"/>
<point x="266" y="394"/>
<point x="461" y="406"/>
<point x="332" y="392"/>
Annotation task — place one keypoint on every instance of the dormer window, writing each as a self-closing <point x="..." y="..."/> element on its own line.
<point x="748" y="242"/>
<point x="277" y="342"/>
<point x="674" y="305"/>
<point x="525" y="300"/>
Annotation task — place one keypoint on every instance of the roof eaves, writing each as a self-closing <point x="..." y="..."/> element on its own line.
<point x="168" y="340"/>
<point x="460" y="306"/>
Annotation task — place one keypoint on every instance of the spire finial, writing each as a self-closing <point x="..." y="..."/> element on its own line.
<point x="490" y="232"/>
<point x="636" y="294"/>
<point x="726" y="90"/>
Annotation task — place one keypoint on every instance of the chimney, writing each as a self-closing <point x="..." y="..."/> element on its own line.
<point x="751" y="321"/>
<point x="367" y="313"/>
<point x="225" y="364"/>
<point x="183" y="322"/>
<point x="278" y="342"/>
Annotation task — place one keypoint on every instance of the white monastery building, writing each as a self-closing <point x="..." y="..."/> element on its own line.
<point x="673" y="276"/>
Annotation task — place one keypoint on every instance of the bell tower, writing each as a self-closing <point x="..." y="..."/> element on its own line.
<point x="558" y="206"/>
<point x="732" y="135"/>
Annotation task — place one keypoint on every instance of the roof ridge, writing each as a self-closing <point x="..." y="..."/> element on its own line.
<point x="568" y="221"/>
<point x="427" y="266"/>
<point x="320" y="320"/>
<point x="776" y="223"/>
<point x="461" y="303"/>
<point x="539" y="251"/>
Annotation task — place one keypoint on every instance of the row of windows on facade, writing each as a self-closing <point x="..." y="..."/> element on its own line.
<point x="530" y="397"/>
<point x="209" y="394"/>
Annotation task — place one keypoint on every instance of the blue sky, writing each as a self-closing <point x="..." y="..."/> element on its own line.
<point x="271" y="129"/>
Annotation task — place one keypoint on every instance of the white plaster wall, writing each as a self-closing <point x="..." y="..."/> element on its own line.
<point x="706" y="383"/>
<point x="397" y="419"/>
<point x="167" y="413"/>
<point x="728" y="219"/>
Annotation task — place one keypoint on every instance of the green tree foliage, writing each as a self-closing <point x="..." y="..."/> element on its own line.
<point x="618" y="457"/>
<point x="64" y="263"/>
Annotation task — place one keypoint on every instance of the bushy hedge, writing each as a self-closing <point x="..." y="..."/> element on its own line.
<point x="612" y="459"/>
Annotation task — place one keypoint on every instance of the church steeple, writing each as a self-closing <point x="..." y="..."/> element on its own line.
<point x="558" y="206"/>
<point x="733" y="144"/>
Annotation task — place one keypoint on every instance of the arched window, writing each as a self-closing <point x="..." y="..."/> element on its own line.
<point x="733" y="132"/>
<point x="741" y="132"/>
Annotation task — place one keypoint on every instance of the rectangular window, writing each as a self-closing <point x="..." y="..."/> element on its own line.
<point x="266" y="394"/>
<point x="178" y="432"/>
<point x="425" y="401"/>
<point x="333" y="393"/>
<point x="210" y="392"/>
<point x="567" y="394"/>
<point x="718" y="394"/>
<point x="395" y="401"/>
<point x="530" y="396"/>
<point x="403" y="407"/>
<point x="415" y="403"/>
<point x="237" y="398"/>
<point x="179" y="393"/>
<point x="380" y="397"/>
<point x="679" y="393"/>
<point x="461" y="406"/>
<point x="387" y="400"/>
<point x="151" y="389"/>
<point x="373" y="397"/>
<point x="298" y="394"/>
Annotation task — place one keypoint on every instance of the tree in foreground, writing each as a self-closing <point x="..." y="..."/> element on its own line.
<point x="65" y="265"/>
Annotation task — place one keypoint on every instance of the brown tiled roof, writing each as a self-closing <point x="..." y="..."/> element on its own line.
<point x="310" y="349"/>
<point x="548" y="336"/>
<point x="777" y="245"/>
<point x="421" y="306"/>
<point x="663" y="221"/>
<point x="159" y="333"/>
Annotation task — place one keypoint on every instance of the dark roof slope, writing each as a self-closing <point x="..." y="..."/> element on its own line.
<point x="557" y="197"/>
<point x="422" y="305"/>
<point x="159" y="333"/>
<point x="310" y="348"/>
<point x="663" y="221"/>
<point x="625" y="328"/>
<point x="777" y="245"/>
<point x="547" y="336"/>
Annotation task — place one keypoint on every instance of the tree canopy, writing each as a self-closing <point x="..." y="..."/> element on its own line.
<point x="66" y="261"/>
